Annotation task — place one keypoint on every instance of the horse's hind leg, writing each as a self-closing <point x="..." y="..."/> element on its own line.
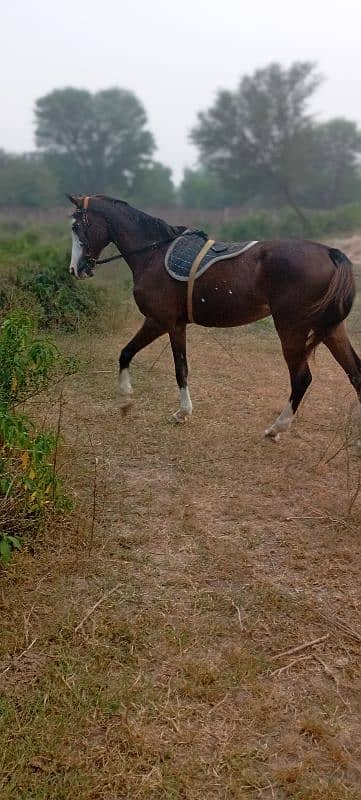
<point x="295" y="353"/>
<point x="178" y="341"/>
<point x="149" y="331"/>
<point x="340" y="346"/>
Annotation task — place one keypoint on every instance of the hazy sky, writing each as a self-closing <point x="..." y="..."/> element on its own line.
<point x="173" y="55"/>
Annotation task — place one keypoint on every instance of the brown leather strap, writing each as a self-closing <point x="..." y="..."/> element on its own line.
<point x="86" y="202"/>
<point x="192" y="276"/>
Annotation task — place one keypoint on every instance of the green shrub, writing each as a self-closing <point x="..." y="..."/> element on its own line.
<point x="31" y="248"/>
<point x="62" y="301"/>
<point x="35" y="277"/>
<point x="29" y="484"/>
<point x="27" y="362"/>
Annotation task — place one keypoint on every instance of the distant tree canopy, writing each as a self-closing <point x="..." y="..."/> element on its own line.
<point x="94" y="140"/>
<point x="260" y="141"/>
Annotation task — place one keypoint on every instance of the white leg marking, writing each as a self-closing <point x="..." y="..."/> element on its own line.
<point x="125" y="386"/>
<point x="185" y="401"/>
<point x="125" y="390"/>
<point x="186" y="407"/>
<point x="76" y="251"/>
<point x="281" y="424"/>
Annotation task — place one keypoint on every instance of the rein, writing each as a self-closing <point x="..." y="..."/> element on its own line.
<point x="104" y="260"/>
<point x="153" y="246"/>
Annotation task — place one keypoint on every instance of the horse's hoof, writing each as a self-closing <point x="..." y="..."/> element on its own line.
<point x="179" y="417"/>
<point x="126" y="402"/>
<point x="272" y="434"/>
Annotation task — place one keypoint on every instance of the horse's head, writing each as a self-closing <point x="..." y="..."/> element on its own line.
<point x="90" y="234"/>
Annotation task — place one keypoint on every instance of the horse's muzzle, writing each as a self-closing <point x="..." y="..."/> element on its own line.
<point x="85" y="269"/>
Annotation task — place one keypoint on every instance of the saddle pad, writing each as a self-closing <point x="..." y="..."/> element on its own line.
<point x="182" y="252"/>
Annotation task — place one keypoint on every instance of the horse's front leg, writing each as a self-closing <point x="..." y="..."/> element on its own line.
<point x="178" y="341"/>
<point x="149" y="331"/>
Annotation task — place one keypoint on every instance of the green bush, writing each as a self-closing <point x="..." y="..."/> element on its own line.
<point x="35" y="277"/>
<point x="29" y="484"/>
<point x="62" y="302"/>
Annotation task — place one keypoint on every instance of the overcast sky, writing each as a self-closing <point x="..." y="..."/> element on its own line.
<point x="173" y="55"/>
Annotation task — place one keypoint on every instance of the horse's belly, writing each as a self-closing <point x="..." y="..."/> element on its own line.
<point x="228" y="309"/>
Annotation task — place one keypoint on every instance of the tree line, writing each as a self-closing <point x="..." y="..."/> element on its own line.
<point x="258" y="146"/>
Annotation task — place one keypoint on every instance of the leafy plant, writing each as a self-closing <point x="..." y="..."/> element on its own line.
<point x="29" y="484"/>
<point x="27" y="362"/>
<point x="7" y="545"/>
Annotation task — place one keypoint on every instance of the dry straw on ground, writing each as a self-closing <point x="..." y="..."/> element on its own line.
<point x="207" y="644"/>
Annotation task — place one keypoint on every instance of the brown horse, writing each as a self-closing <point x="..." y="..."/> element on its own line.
<point x="308" y="289"/>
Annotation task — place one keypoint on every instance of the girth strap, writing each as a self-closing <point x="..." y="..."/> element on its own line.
<point x="192" y="276"/>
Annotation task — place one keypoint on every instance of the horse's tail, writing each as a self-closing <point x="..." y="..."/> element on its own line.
<point x="336" y="303"/>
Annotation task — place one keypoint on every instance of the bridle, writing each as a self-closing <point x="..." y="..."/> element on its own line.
<point x="125" y="254"/>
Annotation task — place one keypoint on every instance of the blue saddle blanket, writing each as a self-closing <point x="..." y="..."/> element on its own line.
<point x="184" y="250"/>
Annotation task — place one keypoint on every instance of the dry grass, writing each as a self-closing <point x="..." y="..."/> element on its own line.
<point x="226" y="550"/>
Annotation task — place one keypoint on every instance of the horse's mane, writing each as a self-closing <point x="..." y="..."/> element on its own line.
<point x="152" y="227"/>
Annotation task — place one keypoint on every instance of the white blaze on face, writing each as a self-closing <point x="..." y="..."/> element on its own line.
<point x="76" y="252"/>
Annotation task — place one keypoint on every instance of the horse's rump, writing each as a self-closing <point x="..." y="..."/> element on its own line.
<point x="336" y="303"/>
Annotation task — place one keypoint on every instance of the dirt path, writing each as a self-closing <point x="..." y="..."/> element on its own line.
<point x="222" y="551"/>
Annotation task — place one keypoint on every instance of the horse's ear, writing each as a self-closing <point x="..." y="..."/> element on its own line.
<point x="77" y="201"/>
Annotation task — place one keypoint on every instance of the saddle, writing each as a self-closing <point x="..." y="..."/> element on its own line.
<point x="190" y="255"/>
<point x="181" y="254"/>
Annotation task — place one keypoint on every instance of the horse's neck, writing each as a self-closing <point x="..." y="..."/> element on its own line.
<point x="128" y="235"/>
<point x="124" y="231"/>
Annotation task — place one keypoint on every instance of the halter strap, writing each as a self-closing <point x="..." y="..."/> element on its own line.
<point x="86" y="202"/>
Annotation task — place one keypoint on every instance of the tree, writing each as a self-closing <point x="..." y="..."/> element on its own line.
<point x="153" y="187"/>
<point x="101" y="139"/>
<point x="256" y="138"/>
<point x="26" y="181"/>
<point x="333" y="175"/>
<point x="201" y="188"/>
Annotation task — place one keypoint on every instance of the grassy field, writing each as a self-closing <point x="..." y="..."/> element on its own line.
<point x="156" y="645"/>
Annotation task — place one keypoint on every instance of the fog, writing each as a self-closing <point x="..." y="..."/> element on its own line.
<point x="173" y="56"/>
